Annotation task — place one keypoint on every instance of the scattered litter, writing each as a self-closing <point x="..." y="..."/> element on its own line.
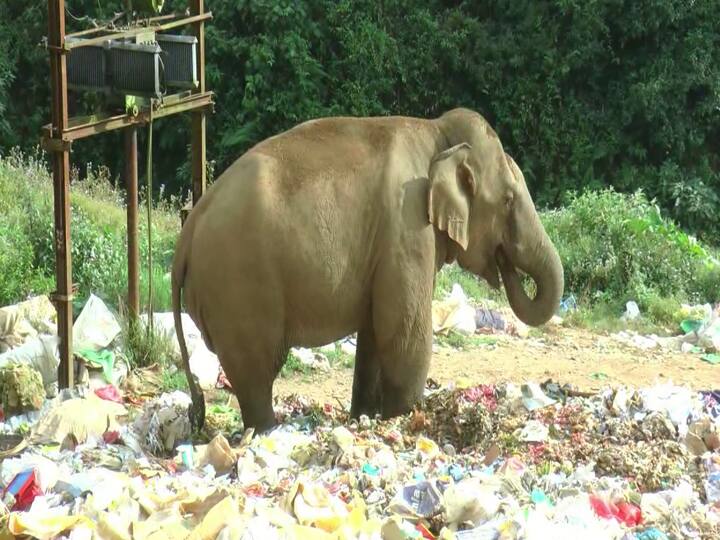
<point x="21" y="389"/>
<point x="205" y="365"/>
<point x="701" y="335"/>
<point x="164" y="422"/>
<point x="489" y="319"/>
<point x="78" y="418"/>
<point x="311" y="359"/>
<point x="475" y="462"/>
<point x="454" y="313"/>
<point x="632" y="311"/>
<point x="96" y="327"/>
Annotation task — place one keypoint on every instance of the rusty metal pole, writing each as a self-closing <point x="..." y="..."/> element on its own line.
<point x="133" y="249"/>
<point x="199" y="169"/>
<point x="61" y="190"/>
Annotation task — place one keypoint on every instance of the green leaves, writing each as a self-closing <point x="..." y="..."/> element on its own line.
<point x="584" y="94"/>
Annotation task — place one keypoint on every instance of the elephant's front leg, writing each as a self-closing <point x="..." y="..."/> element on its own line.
<point x="404" y="364"/>
<point x="402" y="322"/>
<point x="366" y="389"/>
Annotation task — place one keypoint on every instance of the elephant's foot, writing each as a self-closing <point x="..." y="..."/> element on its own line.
<point x="256" y="409"/>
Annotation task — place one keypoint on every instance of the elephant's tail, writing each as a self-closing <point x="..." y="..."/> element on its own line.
<point x="197" y="411"/>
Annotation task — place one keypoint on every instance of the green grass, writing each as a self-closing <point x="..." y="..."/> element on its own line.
<point x="98" y="232"/>
<point x="174" y="379"/>
<point x="463" y="342"/>
<point x="476" y="289"/>
<point x="145" y="347"/>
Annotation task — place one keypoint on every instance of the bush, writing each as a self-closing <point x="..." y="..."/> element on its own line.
<point x="98" y="232"/>
<point x="617" y="247"/>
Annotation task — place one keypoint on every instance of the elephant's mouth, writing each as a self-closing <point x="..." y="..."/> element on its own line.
<point x="491" y="273"/>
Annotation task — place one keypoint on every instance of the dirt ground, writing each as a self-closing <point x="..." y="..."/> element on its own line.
<point x="566" y="355"/>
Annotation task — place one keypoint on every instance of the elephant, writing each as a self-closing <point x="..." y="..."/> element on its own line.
<point x="339" y="225"/>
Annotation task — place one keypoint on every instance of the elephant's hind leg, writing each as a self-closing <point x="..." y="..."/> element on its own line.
<point x="252" y="371"/>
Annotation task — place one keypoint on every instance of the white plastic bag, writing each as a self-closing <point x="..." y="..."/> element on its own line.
<point x="41" y="353"/>
<point x="95" y="327"/>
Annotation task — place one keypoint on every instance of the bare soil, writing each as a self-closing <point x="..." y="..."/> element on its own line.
<point x="584" y="359"/>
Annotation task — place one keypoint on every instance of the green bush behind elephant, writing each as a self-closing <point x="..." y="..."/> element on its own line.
<point x="339" y="225"/>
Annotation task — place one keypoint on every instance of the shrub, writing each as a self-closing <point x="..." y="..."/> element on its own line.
<point x="617" y="247"/>
<point x="98" y="232"/>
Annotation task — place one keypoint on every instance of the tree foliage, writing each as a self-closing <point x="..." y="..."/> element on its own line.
<point x="584" y="93"/>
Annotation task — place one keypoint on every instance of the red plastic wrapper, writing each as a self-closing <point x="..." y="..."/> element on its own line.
<point x="109" y="393"/>
<point x="625" y="512"/>
<point x="111" y="437"/>
<point x="24" y="488"/>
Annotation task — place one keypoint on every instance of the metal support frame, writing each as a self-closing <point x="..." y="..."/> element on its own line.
<point x="58" y="136"/>
<point x="131" y="188"/>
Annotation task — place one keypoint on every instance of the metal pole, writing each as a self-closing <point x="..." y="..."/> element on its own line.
<point x="61" y="190"/>
<point x="197" y="7"/>
<point x="133" y="253"/>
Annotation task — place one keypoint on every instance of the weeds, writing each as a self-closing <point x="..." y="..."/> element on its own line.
<point x="174" y="379"/>
<point x="145" y="347"/>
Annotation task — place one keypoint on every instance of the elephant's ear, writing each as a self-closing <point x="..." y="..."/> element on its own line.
<point x="452" y="187"/>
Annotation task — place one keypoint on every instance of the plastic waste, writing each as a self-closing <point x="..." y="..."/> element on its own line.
<point x="96" y="327"/>
<point x="217" y="453"/>
<point x="21" y="491"/>
<point x="40" y="353"/>
<point x="24" y="321"/>
<point x="470" y="501"/>
<point x="568" y="304"/>
<point x="625" y="512"/>
<point x="102" y="359"/>
<point x="712" y="482"/>
<point x="534" y="397"/>
<point x="81" y="418"/>
<point x="310" y="359"/>
<point x="417" y="500"/>
<point x="534" y="431"/>
<point x="651" y="534"/>
<point x="205" y="365"/>
<point x="110" y="393"/>
<point x="43" y="527"/>
<point x="453" y="313"/>
<point x="632" y="311"/>
<point x="677" y="402"/>
<point x="489" y="319"/>
<point x="164" y="422"/>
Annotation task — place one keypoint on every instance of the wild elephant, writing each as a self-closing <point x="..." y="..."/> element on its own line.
<point x="339" y="225"/>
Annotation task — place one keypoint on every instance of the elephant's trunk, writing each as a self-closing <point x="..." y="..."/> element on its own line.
<point x="544" y="267"/>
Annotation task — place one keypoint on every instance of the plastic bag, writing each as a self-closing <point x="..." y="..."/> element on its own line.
<point x="41" y="353"/>
<point x="454" y="313"/>
<point x="96" y="327"/>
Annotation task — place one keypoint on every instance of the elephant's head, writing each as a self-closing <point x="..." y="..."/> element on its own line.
<point x="479" y="197"/>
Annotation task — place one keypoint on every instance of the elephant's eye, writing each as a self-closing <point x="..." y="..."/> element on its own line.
<point x="509" y="200"/>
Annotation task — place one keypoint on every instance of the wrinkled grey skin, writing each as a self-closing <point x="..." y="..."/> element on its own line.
<point x="338" y="226"/>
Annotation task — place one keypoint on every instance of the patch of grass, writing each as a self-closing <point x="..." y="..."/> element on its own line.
<point x="662" y="317"/>
<point x="477" y="290"/>
<point x="98" y="232"/>
<point x="463" y="342"/>
<point x="339" y="358"/>
<point x="144" y="348"/>
<point x="293" y="366"/>
<point x="174" y="379"/>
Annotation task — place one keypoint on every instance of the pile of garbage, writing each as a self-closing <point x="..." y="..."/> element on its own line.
<point x="473" y="462"/>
